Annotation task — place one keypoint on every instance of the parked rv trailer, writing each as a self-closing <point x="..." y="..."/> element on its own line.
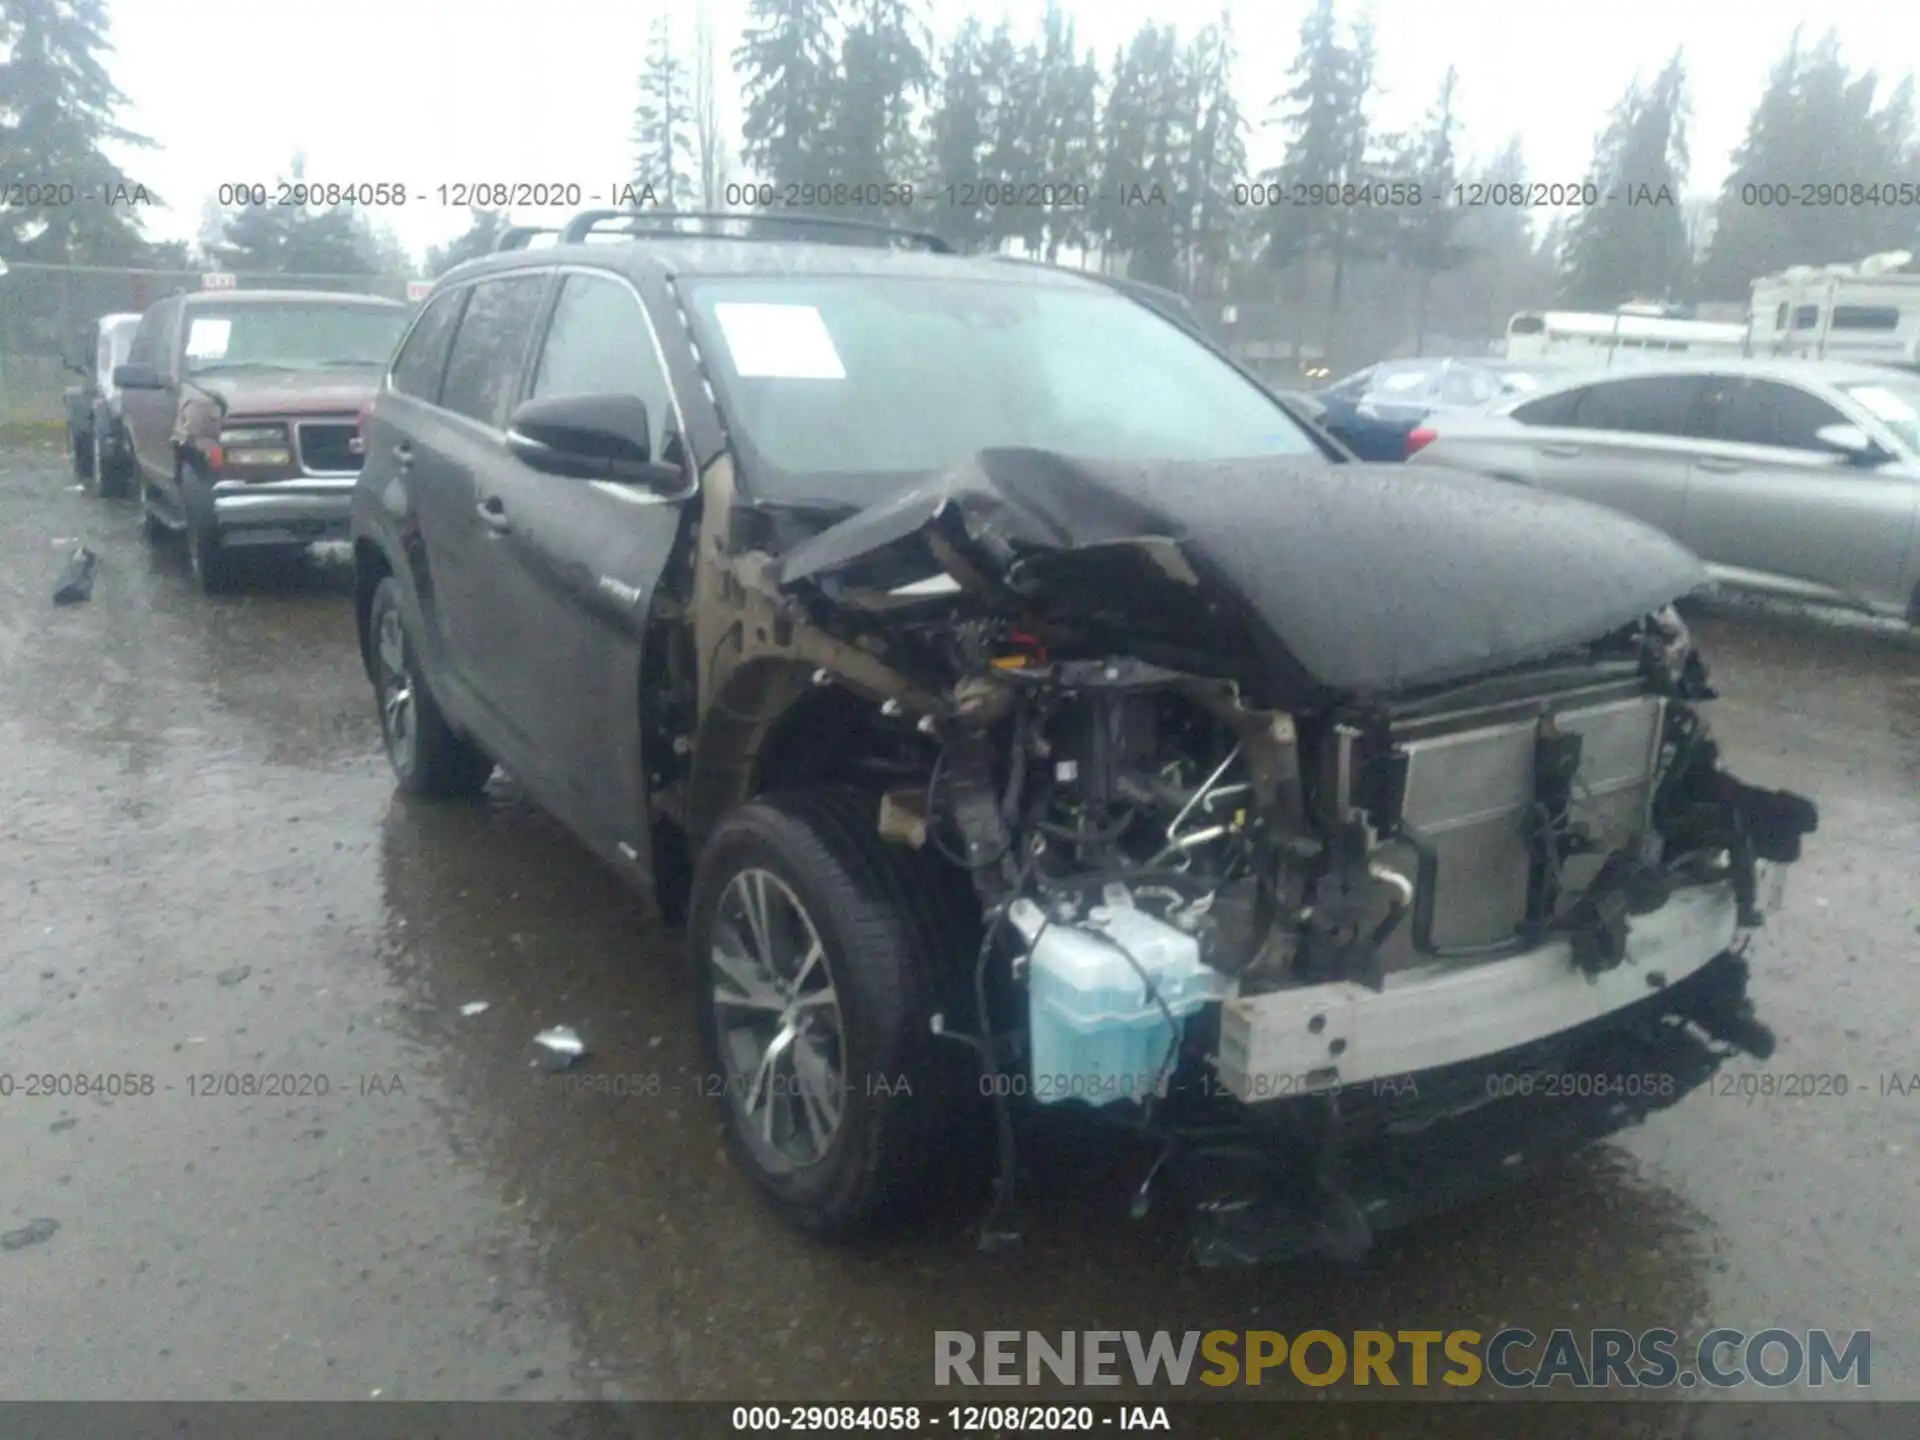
<point x="1867" y="311"/>
<point x="1620" y="338"/>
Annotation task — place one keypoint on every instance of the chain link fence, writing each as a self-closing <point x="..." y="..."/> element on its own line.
<point x="47" y="315"/>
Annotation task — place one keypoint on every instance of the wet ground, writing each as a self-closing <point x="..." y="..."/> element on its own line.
<point x="205" y="872"/>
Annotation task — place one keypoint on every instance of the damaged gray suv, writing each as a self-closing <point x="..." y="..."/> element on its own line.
<point x="1028" y="716"/>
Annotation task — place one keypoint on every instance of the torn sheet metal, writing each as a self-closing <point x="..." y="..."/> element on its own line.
<point x="1358" y="578"/>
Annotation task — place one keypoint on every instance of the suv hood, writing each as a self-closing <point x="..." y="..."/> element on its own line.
<point x="291" y="392"/>
<point x="1308" y="577"/>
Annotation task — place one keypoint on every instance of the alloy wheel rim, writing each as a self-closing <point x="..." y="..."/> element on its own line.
<point x="778" y="1018"/>
<point x="396" y="691"/>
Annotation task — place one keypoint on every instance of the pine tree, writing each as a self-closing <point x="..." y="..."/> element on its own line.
<point x="1067" y="138"/>
<point x="1427" y="239"/>
<point x="1499" y="227"/>
<point x="1018" y="152"/>
<point x="1142" y="133"/>
<point x="709" y="138"/>
<point x="1745" y="237"/>
<point x="1216" y="160"/>
<point x="57" y="106"/>
<point x="1816" y="124"/>
<point x="1318" y="114"/>
<point x="296" y="240"/>
<point x="1506" y="269"/>
<point x="481" y="235"/>
<point x="1633" y="243"/>
<point x="1358" y="231"/>
<point x="884" y="75"/>
<point x="786" y="59"/>
<point x="959" y="133"/>
<point x="662" y="145"/>
<point x="1329" y="143"/>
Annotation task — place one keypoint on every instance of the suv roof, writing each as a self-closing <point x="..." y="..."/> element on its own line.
<point x="658" y="248"/>
<point x="694" y="255"/>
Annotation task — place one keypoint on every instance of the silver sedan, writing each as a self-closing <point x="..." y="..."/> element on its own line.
<point x="1793" y="478"/>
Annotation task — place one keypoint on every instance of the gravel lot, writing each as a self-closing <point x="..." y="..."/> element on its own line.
<point x="206" y="871"/>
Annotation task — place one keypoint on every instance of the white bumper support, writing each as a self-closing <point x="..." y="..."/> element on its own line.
<point x="1292" y="1042"/>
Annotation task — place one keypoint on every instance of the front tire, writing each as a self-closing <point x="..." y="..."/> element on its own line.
<point x="110" y="471"/>
<point x="427" y="755"/>
<point x="214" y="568"/>
<point x="820" y="954"/>
<point x="152" y="526"/>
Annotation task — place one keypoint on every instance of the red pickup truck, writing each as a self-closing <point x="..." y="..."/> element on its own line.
<point x="241" y="411"/>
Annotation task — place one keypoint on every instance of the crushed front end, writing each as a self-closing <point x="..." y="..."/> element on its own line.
<point x="1344" y="955"/>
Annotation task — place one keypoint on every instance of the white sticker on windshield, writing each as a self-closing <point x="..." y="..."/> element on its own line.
<point x="207" y="340"/>
<point x="779" y="342"/>
<point x="1884" y="404"/>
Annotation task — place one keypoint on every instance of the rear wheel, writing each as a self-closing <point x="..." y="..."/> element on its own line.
<point x="820" y="955"/>
<point x="80" y="451"/>
<point x="427" y="755"/>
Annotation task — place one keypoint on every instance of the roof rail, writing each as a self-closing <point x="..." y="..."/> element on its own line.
<point x="517" y="237"/>
<point x="667" y="222"/>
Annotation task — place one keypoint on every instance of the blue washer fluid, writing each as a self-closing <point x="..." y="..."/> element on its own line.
<point x="1096" y="1033"/>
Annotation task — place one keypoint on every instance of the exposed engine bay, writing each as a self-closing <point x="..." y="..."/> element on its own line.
<point x="1222" y="894"/>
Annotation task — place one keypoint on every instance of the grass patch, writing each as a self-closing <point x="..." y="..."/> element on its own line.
<point x="33" y="432"/>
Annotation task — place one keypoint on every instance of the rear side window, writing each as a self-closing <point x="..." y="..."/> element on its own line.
<point x="1645" y="405"/>
<point x="1549" y="409"/>
<point x="423" y="355"/>
<point x="489" y="344"/>
<point x="1765" y="412"/>
<point x="1807" y="317"/>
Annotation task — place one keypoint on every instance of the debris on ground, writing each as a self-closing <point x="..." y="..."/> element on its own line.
<point x="76" y="581"/>
<point x="34" y="1232"/>
<point x="233" y="976"/>
<point x="563" y="1046"/>
<point x="474" y="1007"/>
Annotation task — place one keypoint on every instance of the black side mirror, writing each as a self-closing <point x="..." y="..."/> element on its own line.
<point x="137" y="377"/>
<point x="591" y="437"/>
